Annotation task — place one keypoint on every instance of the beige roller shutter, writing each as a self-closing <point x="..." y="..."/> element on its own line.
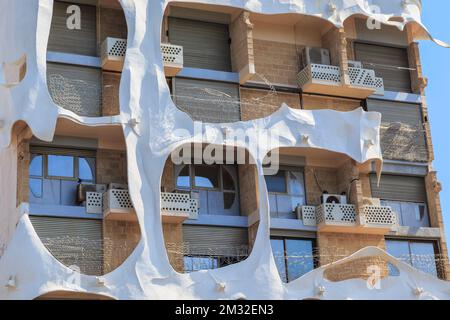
<point x="402" y="131"/>
<point x="221" y="241"/>
<point x="76" y="242"/>
<point x="63" y="39"/>
<point x="390" y="63"/>
<point x="75" y="88"/>
<point x="205" y="45"/>
<point x="208" y="101"/>
<point x="399" y="188"/>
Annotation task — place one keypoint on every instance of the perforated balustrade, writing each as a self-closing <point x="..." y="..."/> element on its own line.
<point x="328" y="75"/>
<point x="343" y="218"/>
<point x="114" y="51"/>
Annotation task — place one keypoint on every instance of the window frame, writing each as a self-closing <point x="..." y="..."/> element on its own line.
<point x="287" y="171"/>
<point x="436" y="246"/>
<point x="76" y="154"/>
<point x="285" y="258"/>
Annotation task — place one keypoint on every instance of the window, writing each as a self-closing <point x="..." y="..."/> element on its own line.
<point x="217" y="186"/>
<point x="410" y="214"/>
<point x="286" y="192"/>
<point x="293" y="257"/>
<point x="420" y="254"/>
<point x="55" y="173"/>
<point x="36" y="175"/>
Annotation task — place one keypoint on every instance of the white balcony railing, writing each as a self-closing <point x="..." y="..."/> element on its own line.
<point x="360" y="77"/>
<point x="320" y="74"/>
<point x="117" y="201"/>
<point x="379" y="216"/>
<point x="343" y="218"/>
<point x="339" y="214"/>
<point x="315" y="75"/>
<point x="180" y="206"/>
<point x="114" y="50"/>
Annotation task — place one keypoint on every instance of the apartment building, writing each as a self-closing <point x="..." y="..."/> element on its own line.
<point x="225" y="65"/>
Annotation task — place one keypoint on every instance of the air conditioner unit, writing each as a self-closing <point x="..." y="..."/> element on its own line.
<point x="334" y="198"/>
<point x="355" y="64"/>
<point x="372" y="202"/>
<point x="117" y="186"/>
<point x="315" y="55"/>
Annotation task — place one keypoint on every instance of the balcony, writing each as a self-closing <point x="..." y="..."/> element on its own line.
<point x="327" y="79"/>
<point x="117" y="205"/>
<point x="342" y="218"/>
<point x="178" y="207"/>
<point x="114" y="49"/>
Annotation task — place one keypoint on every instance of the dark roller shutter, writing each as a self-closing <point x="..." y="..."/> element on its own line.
<point x="387" y="63"/>
<point x="62" y="39"/>
<point x="402" y="131"/>
<point x="208" y="101"/>
<point x="75" y="88"/>
<point x="399" y="188"/>
<point x="205" y="44"/>
<point x="74" y="242"/>
<point x="221" y="241"/>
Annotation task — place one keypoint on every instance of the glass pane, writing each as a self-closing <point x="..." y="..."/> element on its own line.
<point x="200" y="263"/>
<point x="423" y="257"/>
<point x="277" y="183"/>
<point x="228" y="200"/>
<point x="183" y="180"/>
<point x="36" y="187"/>
<point x="60" y="166"/>
<point x="86" y="168"/>
<point x="278" y="253"/>
<point x="300" y="258"/>
<point x="36" y="165"/>
<point x="296" y="183"/>
<point x="400" y="250"/>
<point x="206" y="176"/>
<point x="228" y="181"/>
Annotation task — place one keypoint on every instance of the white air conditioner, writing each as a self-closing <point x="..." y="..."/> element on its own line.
<point x="334" y="198"/>
<point x="355" y="64"/>
<point x="315" y="55"/>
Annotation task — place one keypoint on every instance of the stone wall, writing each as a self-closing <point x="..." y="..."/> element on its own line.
<point x="311" y="102"/>
<point x="120" y="238"/>
<point x="111" y="167"/>
<point x="327" y="178"/>
<point x="173" y="239"/>
<point x="277" y="62"/>
<point x="242" y="53"/>
<point x="257" y="103"/>
<point x="110" y="94"/>
<point x="336" y="246"/>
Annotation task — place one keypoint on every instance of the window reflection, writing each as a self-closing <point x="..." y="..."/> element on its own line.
<point x="293" y="257"/>
<point x="277" y="183"/>
<point x="86" y="169"/>
<point x="36" y="165"/>
<point x="36" y="187"/>
<point x="206" y="176"/>
<point x="60" y="166"/>
<point x="420" y="254"/>
<point x="183" y="179"/>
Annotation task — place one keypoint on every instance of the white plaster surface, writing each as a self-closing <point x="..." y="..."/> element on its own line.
<point x="151" y="125"/>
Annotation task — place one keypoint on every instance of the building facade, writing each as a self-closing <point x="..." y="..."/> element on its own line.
<point x="79" y="189"/>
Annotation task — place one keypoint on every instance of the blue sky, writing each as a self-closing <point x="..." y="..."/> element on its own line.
<point x="436" y="64"/>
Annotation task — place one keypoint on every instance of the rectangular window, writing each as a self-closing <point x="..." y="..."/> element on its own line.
<point x="286" y="192"/>
<point x="293" y="257"/>
<point x="420" y="254"/>
<point x="410" y="214"/>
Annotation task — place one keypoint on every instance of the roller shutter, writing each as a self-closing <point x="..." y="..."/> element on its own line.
<point x="390" y="63"/>
<point x="208" y="101"/>
<point x="402" y="131"/>
<point x="205" y="44"/>
<point x="76" y="242"/>
<point x="75" y="88"/>
<point x="220" y="241"/>
<point x="399" y="188"/>
<point x="62" y="39"/>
